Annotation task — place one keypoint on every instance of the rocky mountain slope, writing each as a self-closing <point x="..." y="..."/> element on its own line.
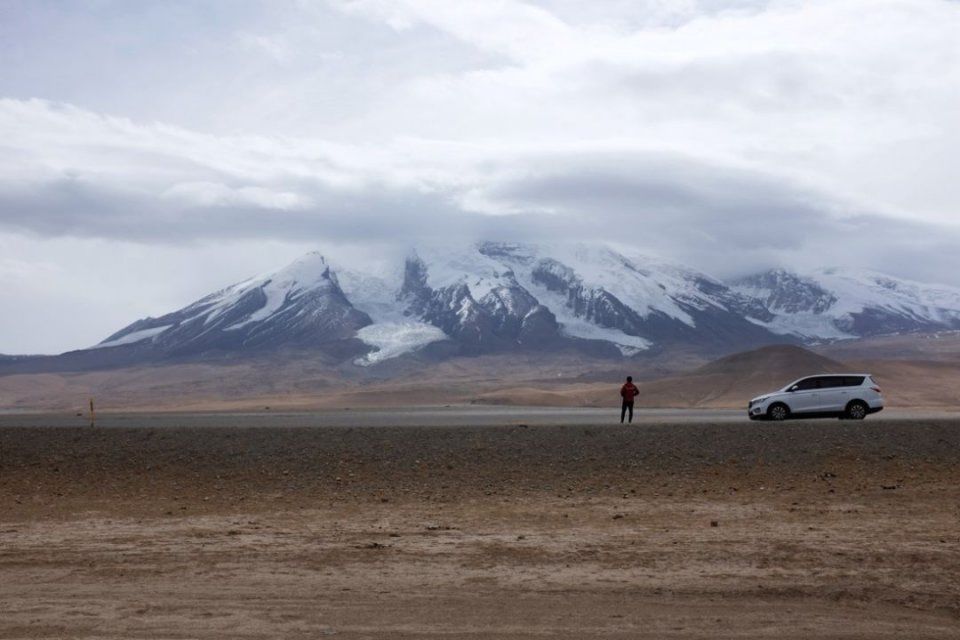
<point x="300" y="305"/>
<point x="847" y="303"/>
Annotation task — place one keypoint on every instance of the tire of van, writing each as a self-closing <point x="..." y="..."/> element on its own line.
<point x="778" y="412"/>
<point x="856" y="410"/>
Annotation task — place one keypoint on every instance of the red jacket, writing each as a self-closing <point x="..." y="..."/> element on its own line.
<point x="628" y="392"/>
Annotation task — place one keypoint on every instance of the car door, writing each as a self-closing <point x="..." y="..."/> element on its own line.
<point x="804" y="396"/>
<point x="849" y="391"/>
<point x="832" y="395"/>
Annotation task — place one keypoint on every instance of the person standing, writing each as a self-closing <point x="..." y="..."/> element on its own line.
<point x="628" y="392"/>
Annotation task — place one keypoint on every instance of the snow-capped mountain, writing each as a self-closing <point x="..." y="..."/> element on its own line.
<point x="848" y="303"/>
<point x="500" y="297"/>
<point x="302" y="304"/>
<point x="485" y="297"/>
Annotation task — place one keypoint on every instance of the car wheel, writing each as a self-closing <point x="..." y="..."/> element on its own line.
<point x="778" y="412"/>
<point x="856" y="410"/>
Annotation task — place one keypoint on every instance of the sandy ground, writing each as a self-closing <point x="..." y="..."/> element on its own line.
<point x="709" y="529"/>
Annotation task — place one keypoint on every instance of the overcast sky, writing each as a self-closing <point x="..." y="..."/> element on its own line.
<point x="151" y="152"/>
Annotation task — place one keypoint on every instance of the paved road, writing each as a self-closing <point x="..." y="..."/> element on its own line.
<point x="430" y="416"/>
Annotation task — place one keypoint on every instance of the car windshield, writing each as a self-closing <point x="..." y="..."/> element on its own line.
<point x="792" y="384"/>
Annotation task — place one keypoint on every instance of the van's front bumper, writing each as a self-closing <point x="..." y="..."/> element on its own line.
<point x="756" y="412"/>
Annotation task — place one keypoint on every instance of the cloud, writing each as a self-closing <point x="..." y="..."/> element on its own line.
<point x="519" y="30"/>
<point x="815" y="89"/>
<point x="71" y="173"/>
<point x="726" y="221"/>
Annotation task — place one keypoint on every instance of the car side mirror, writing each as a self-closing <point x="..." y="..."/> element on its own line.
<point x="793" y="388"/>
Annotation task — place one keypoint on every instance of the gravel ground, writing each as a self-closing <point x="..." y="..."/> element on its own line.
<point x="683" y="529"/>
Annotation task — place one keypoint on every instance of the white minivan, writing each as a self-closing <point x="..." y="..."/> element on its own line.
<point x="851" y="396"/>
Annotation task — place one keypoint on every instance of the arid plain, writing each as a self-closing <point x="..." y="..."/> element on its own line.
<point x="264" y="525"/>
<point x="920" y="371"/>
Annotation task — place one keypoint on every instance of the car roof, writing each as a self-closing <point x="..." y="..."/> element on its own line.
<point x="832" y="375"/>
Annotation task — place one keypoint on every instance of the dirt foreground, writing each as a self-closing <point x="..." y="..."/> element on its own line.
<point x="821" y="529"/>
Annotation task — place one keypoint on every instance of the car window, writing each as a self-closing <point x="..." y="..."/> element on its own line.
<point x="853" y="381"/>
<point x="807" y="383"/>
<point x="829" y="382"/>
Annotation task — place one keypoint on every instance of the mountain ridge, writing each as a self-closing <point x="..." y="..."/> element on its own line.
<point x="504" y="297"/>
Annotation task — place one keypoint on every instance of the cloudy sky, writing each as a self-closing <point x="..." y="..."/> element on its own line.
<point x="153" y="152"/>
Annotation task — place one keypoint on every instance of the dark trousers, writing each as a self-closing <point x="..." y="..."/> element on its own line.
<point x="623" y="410"/>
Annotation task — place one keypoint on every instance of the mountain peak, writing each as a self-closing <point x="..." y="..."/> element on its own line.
<point x="310" y="267"/>
<point x="301" y="304"/>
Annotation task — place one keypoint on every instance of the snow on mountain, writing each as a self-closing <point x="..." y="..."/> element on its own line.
<point x="474" y="300"/>
<point x="646" y="289"/>
<point x="494" y="293"/>
<point x="646" y="301"/>
<point x="392" y="333"/>
<point x="840" y="303"/>
<point x="133" y="336"/>
<point x="529" y="265"/>
<point x="393" y="339"/>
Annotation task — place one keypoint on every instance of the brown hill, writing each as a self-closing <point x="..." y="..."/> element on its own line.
<point x="940" y="346"/>
<point x="915" y="383"/>
<point x="731" y="381"/>
<point x="787" y="362"/>
<point x="727" y="382"/>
